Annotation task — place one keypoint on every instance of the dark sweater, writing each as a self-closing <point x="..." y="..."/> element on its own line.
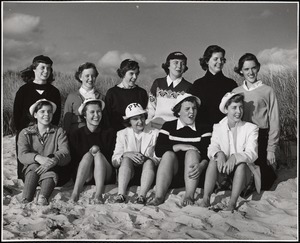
<point x="211" y="89"/>
<point x="116" y="101"/>
<point x="169" y="136"/>
<point x="27" y="95"/>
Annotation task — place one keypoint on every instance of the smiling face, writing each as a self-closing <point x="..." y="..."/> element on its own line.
<point x="234" y="113"/>
<point x="188" y="112"/>
<point x="88" y="78"/>
<point x="176" y="68"/>
<point x="93" y="115"/>
<point x="44" y="115"/>
<point x="130" y="78"/>
<point x="250" y="71"/>
<point x="216" y="62"/>
<point x="138" y="123"/>
<point x="42" y="72"/>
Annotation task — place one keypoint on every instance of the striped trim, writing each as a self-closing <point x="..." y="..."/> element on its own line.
<point x="164" y="132"/>
<point x="180" y="139"/>
<point x="208" y="134"/>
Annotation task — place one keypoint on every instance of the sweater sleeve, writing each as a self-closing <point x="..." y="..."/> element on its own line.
<point x="151" y="107"/>
<point x="57" y="101"/>
<point x="25" y="153"/>
<point x="163" y="143"/>
<point x="214" y="146"/>
<point x="63" y="152"/>
<point x="18" y="109"/>
<point x="205" y="140"/>
<point x="68" y="114"/>
<point x="274" y="127"/>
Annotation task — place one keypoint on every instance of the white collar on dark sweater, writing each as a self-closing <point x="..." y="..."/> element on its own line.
<point x="180" y="125"/>
<point x="175" y="82"/>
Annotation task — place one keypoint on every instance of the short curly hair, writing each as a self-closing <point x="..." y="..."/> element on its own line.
<point x="86" y="65"/>
<point x="127" y="65"/>
<point x="243" y="59"/>
<point x="208" y="54"/>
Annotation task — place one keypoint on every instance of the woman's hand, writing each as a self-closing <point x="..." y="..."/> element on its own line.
<point x="271" y="159"/>
<point x="220" y="158"/>
<point x="194" y="171"/>
<point x="229" y="165"/>
<point x="94" y="150"/>
<point x="136" y="157"/>
<point x="184" y="147"/>
<point x="46" y="166"/>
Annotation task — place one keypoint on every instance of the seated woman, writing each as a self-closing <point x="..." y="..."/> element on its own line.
<point x="134" y="153"/>
<point x="232" y="151"/>
<point x="182" y="146"/>
<point x="91" y="151"/>
<point x="43" y="150"/>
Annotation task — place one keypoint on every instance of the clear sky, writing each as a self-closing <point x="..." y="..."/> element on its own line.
<point x="108" y="32"/>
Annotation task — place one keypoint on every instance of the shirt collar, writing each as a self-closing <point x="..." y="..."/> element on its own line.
<point x="87" y="93"/>
<point x="175" y="82"/>
<point x="180" y="125"/>
<point x="255" y="85"/>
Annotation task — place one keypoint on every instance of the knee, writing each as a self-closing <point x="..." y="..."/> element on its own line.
<point x="168" y="156"/>
<point x="149" y="164"/>
<point x="126" y="162"/>
<point x="192" y="154"/>
<point x="241" y="167"/>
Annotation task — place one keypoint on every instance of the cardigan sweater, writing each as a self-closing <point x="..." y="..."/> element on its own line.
<point x="126" y="142"/>
<point x="56" y="143"/>
<point x="261" y="108"/>
<point x="162" y="98"/>
<point x="28" y="95"/>
<point x="210" y="89"/>
<point x="116" y="101"/>
<point x="72" y="119"/>
<point x="83" y="139"/>
<point x="169" y="136"/>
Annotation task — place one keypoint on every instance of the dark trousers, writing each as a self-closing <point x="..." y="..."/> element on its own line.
<point x="268" y="175"/>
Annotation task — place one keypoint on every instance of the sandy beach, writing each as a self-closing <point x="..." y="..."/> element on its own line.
<point x="271" y="215"/>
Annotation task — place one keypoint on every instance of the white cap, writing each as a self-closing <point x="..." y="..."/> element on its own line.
<point x="184" y="96"/>
<point x="86" y="101"/>
<point x="224" y="100"/>
<point x="132" y="110"/>
<point x="32" y="107"/>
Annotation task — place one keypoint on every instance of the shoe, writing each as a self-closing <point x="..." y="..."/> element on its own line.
<point x="42" y="201"/>
<point x="140" y="200"/>
<point x="120" y="199"/>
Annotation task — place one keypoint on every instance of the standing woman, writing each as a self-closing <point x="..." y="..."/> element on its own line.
<point x="91" y="151"/>
<point x="86" y="74"/>
<point x="38" y="77"/>
<point x="120" y="96"/>
<point x="211" y="88"/>
<point x="261" y="108"/>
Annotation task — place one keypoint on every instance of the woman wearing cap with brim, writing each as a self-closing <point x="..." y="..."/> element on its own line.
<point x="182" y="146"/>
<point x="134" y="154"/>
<point x="232" y="152"/>
<point x="91" y="151"/>
<point x="43" y="150"/>
<point x="164" y="91"/>
<point x="38" y="78"/>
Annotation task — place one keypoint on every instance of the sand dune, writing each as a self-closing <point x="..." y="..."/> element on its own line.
<point x="272" y="215"/>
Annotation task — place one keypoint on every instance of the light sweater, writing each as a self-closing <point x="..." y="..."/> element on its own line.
<point x="261" y="108"/>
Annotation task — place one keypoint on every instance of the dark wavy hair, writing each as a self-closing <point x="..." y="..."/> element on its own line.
<point x="127" y="65"/>
<point x="208" y="54"/>
<point x="28" y="75"/>
<point x="126" y="122"/>
<point x="176" y="108"/>
<point x="246" y="57"/>
<point x="86" y="65"/>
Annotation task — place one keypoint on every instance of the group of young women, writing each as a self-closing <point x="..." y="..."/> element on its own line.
<point x="175" y="137"/>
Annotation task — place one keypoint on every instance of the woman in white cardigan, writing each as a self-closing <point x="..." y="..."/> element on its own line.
<point x="232" y="151"/>
<point x="134" y="153"/>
